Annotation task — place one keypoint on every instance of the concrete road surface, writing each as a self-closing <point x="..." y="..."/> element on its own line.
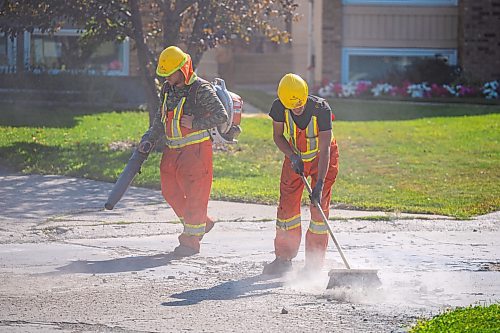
<point x="67" y="265"/>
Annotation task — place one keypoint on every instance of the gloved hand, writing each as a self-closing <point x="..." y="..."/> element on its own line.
<point x="297" y="164"/>
<point x="316" y="192"/>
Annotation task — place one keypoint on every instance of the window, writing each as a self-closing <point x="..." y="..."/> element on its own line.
<point x="402" y="2"/>
<point x="372" y="64"/>
<point x="7" y="53"/>
<point x="62" y="53"/>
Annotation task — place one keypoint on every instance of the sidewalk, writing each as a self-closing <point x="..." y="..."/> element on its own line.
<point x="31" y="202"/>
<point x="67" y="264"/>
<point x="37" y="197"/>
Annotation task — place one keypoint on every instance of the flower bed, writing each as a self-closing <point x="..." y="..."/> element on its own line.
<point x="489" y="90"/>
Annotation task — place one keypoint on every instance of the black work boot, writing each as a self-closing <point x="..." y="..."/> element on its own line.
<point x="277" y="267"/>
<point x="184" y="251"/>
<point x="209" y="225"/>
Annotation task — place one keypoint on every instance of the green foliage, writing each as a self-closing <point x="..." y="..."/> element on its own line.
<point x="431" y="165"/>
<point x="19" y="16"/>
<point x="477" y="319"/>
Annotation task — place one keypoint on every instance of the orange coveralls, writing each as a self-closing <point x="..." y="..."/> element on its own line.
<point x="288" y="226"/>
<point x="186" y="177"/>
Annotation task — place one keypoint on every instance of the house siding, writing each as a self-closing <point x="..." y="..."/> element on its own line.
<point x="402" y="27"/>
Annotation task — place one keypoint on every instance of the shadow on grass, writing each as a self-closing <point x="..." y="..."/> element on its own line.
<point x="244" y="288"/>
<point x="23" y="115"/>
<point x="78" y="160"/>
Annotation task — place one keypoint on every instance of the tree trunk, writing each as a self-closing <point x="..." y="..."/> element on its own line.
<point x="145" y="64"/>
<point x="171" y="25"/>
<point x="205" y="13"/>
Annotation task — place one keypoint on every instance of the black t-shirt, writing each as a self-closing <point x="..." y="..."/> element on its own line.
<point x="315" y="106"/>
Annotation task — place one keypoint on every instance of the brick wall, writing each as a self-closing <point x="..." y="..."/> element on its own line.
<point x="332" y="40"/>
<point x="479" y="50"/>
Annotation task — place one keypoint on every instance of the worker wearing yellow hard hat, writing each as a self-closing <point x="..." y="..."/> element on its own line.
<point x="189" y="108"/>
<point x="173" y="59"/>
<point x="302" y="131"/>
<point x="292" y="91"/>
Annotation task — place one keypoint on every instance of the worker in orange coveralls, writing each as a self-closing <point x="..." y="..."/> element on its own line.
<point x="310" y="149"/>
<point x="189" y="107"/>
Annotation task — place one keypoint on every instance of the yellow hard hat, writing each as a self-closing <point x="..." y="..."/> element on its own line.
<point x="292" y="91"/>
<point x="171" y="60"/>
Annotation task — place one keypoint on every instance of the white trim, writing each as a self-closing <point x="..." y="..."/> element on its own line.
<point x="27" y="48"/>
<point x="451" y="54"/>
<point x="402" y="2"/>
<point x="124" y="49"/>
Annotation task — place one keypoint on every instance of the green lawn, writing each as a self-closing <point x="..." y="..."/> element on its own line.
<point x="442" y="165"/>
<point x="367" y="110"/>
<point x="478" y="319"/>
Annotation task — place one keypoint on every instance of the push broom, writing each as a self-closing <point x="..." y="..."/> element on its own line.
<point x="348" y="277"/>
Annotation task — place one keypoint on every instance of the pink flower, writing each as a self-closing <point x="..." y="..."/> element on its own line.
<point x="363" y="87"/>
<point x="438" y="91"/>
<point x="337" y="89"/>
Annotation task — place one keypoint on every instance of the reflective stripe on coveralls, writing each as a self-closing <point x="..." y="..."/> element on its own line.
<point x="318" y="227"/>
<point x="175" y="137"/>
<point x="194" y="230"/>
<point x="288" y="224"/>
<point x="311" y="137"/>
<point x="189" y="139"/>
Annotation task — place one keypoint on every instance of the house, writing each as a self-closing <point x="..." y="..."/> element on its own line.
<point x="345" y="40"/>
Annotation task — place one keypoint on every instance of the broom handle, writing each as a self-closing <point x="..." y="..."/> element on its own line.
<point x="306" y="183"/>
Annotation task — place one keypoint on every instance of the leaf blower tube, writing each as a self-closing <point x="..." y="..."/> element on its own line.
<point x="127" y="176"/>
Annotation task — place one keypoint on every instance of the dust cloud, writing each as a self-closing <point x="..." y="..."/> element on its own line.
<point x="414" y="289"/>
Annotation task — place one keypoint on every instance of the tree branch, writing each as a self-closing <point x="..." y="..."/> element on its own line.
<point x="201" y="19"/>
<point x="183" y="5"/>
<point x="144" y="56"/>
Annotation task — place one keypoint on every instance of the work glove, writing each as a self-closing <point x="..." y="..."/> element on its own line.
<point x="316" y="192"/>
<point x="297" y="164"/>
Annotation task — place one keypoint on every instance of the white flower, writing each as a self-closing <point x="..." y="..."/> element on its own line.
<point x="324" y="92"/>
<point x="490" y="89"/>
<point x="349" y="89"/>
<point x="381" y="89"/>
<point x="453" y="91"/>
<point x="418" y="90"/>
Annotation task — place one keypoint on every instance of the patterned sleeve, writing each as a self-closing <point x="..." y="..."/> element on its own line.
<point x="210" y="111"/>
<point x="157" y="129"/>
